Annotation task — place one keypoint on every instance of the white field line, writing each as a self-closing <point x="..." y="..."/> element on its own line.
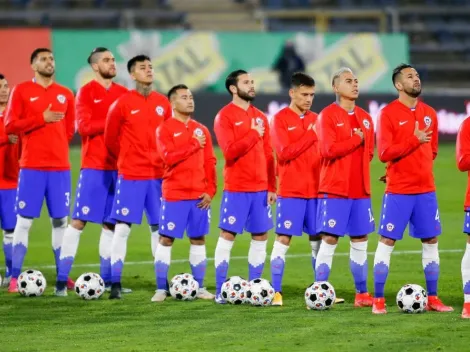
<point x="338" y="254"/>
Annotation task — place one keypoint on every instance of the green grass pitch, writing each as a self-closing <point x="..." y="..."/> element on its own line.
<point x="48" y="323"/>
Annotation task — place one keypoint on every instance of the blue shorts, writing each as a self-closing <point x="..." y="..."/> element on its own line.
<point x="466" y="222"/>
<point x="245" y="210"/>
<point x="296" y="215"/>
<point x="35" y="185"/>
<point x="94" y="196"/>
<point x="7" y="208"/>
<point x="419" y="210"/>
<point x="343" y="216"/>
<point x="133" y="197"/>
<point x="180" y="215"/>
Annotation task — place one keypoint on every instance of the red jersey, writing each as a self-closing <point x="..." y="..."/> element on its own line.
<point x="130" y="134"/>
<point x="92" y="104"/>
<point x="298" y="159"/>
<point x="337" y="143"/>
<point x="9" y="160"/>
<point x="356" y="173"/>
<point x="463" y="154"/>
<point x="45" y="146"/>
<point x="409" y="163"/>
<point x="249" y="161"/>
<point x="189" y="169"/>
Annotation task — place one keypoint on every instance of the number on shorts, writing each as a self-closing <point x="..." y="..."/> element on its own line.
<point x="270" y="214"/>
<point x="67" y="198"/>
<point x="371" y="217"/>
<point x="437" y="217"/>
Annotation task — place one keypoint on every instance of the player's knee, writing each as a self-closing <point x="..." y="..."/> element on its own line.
<point x="387" y="241"/>
<point x="284" y="239"/>
<point x="314" y="238"/>
<point x="359" y="238"/>
<point x="78" y="224"/>
<point x="166" y="241"/>
<point x="330" y="239"/>
<point x="432" y="240"/>
<point x="61" y="222"/>
<point x="24" y="224"/>
<point x="108" y="226"/>
<point x="226" y="235"/>
<point x="259" y="236"/>
<point x="198" y="241"/>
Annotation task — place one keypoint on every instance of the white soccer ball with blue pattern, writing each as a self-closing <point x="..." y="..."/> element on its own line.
<point x="320" y="295"/>
<point x="31" y="283"/>
<point x="89" y="286"/>
<point x="184" y="287"/>
<point x="412" y="299"/>
<point x="234" y="290"/>
<point x="260" y="292"/>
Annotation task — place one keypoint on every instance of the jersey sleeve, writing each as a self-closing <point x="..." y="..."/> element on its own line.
<point x="15" y="122"/>
<point x="371" y="140"/>
<point x="285" y="150"/>
<point x="112" y="131"/>
<point x="330" y="148"/>
<point x="86" y="126"/>
<point x="231" y="148"/>
<point x="3" y="136"/>
<point x="463" y="146"/>
<point x="210" y="162"/>
<point x="70" y="117"/>
<point x="168" y="152"/>
<point x="268" y="152"/>
<point x="435" y="136"/>
<point x="388" y="150"/>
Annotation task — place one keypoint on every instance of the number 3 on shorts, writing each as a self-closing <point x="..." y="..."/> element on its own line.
<point x="67" y="198"/>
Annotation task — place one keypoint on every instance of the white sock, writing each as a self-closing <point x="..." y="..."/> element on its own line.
<point x="119" y="244"/>
<point x="358" y="252"/>
<point x="155" y="236"/>
<point x="106" y="243"/>
<point x="21" y="233"/>
<point x="163" y="254"/>
<point x="257" y="253"/>
<point x="70" y="242"/>
<point x="279" y="251"/>
<point x="325" y="257"/>
<point x="222" y="251"/>
<point x="466" y="274"/>
<point x="58" y="231"/>
<point x="7" y="238"/>
<point x="430" y="254"/>
<point x="197" y="254"/>
<point x="315" y="245"/>
<point x="383" y="254"/>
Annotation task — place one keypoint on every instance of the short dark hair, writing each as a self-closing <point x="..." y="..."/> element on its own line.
<point x="38" y="51"/>
<point x="299" y="79"/>
<point x="132" y="62"/>
<point x="98" y="50"/>
<point x="232" y="79"/>
<point x="174" y="89"/>
<point x="2" y="76"/>
<point x="397" y="71"/>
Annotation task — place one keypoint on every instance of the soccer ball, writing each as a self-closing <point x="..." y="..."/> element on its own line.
<point x="184" y="287"/>
<point x="260" y="292"/>
<point x="89" y="286"/>
<point x="234" y="290"/>
<point x="320" y="295"/>
<point x="31" y="283"/>
<point x="412" y="299"/>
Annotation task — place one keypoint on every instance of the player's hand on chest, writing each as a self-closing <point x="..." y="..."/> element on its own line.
<point x="243" y="124"/>
<point x="182" y="135"/>
<point x="39" y="101"/>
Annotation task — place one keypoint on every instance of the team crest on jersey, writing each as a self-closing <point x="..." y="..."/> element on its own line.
<point x="159" y="110"/>
<point x="287" y="224"/>
<point x="427" y="121"/>
<point x="332" y="223"/>
<point x="85" y="210"/>
<point x="124" y="211"/>
<point x="171" y="226"/>
<point x="21" y="204"/>
<point x="366" y="123"/>
<point x="61" y="98"/>
<point x="231" y="220"/>
<point x="198" y="132"/>
<point x="390" y="227"/>
<point x="259" y="121"/>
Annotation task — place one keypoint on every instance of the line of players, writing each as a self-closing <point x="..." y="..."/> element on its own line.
<point x="322" y="163"/>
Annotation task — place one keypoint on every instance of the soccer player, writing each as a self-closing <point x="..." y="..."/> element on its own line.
<point x="9" y="170"/>
<point x="298" y="161"/>
<point x="463" y="163"/>
<point x="242" y="133"/>
<point x="346" y="140"/>
<point x="189" y="184"/>
<point x="130" y="136"/>
<point x="43" y="113"/>
<point x="407" y="141"/>
<point x="95" y="189"/>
